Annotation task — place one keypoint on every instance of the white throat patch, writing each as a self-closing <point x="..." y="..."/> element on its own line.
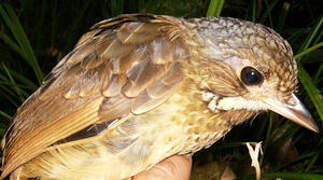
<point x="217" y="103"/>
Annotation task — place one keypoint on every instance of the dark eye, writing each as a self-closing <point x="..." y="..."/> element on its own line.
<point x="250" y="76"/>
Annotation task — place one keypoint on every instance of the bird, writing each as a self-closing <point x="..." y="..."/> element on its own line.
<point x="139" y="88"/>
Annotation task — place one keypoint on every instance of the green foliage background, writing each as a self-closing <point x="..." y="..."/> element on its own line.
<point x="35" y="34"/>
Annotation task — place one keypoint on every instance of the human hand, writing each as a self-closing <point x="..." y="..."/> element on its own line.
<point x="173" y="168"/>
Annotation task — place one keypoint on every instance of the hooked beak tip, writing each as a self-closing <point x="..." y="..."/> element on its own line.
<point x="305" y="119"/>
<point x="296" y="112"/>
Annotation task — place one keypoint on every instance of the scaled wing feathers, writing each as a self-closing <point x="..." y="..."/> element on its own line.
<point x="125" y="65"/>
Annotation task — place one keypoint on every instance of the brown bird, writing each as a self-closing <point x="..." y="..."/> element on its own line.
<point x="138" y="88"/>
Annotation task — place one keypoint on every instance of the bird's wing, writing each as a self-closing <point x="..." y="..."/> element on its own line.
<point x="124" y="65"/>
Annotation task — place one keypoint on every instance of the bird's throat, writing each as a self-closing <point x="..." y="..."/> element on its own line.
<point x="217" y="103"/>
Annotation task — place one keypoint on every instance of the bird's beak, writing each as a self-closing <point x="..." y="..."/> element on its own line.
<point x="296" y="112"/>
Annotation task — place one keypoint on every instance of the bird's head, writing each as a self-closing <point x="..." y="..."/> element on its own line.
<point x="248" y="66"/>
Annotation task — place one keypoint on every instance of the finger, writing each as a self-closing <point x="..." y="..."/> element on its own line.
<point x="173" y="168"/>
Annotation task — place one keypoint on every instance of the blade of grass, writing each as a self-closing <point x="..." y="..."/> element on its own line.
<point x="21" y="80"/>
<point x="116" y="7"/>
<point x="141" y="5"/>
<point x="317" y="76"/>
<point x="104" y="5"/>
<point x="311" y="163"/>
<point x="304" y="77"/>
<point x="293" y="176"/>
<point x="282" y="17"/>
<point x="311" y="36"/>
<point x="297" y="159"/>
<point x="311" y="90"/>
<point x="219" y="9"/>
<point x="308" y="50"/>
<point x="318" y="37"/>
<point x="53" y="24"/>
<point x="12" y="44"/>
<point x="13" y="83"/>
<point x="3" y="128"/>
<point x="5" y="93"/>
<point x="215" y="8"/>
<point x="268" y="12"/>
<point x="295" y="33"/>
<point x="254" y="7"/>
<point x="231" y="145"/>
<point x="15" y="27"/>
<point x="76" y="23"/>
<point x="26" y="83"/>
<point x="284" y="134"/>
<point x="268" y="136"/>
<point x="7" y="116"/>
<point x="212" y="8"/>
<point x="41" y="20"/>
<point x="24" y="93"/>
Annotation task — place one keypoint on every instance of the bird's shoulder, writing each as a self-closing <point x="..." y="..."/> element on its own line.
<point x="125" y="65"/>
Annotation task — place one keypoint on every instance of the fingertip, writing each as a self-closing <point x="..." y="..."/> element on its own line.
<point x="172" y="168"/>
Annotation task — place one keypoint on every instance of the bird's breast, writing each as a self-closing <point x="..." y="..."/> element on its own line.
<point x="183" y="124"/>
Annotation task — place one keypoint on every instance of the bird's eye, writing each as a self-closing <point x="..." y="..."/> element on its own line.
<point x="250" y="76"/>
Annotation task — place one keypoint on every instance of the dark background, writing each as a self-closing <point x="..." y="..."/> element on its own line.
<point x="35" y="34"/>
